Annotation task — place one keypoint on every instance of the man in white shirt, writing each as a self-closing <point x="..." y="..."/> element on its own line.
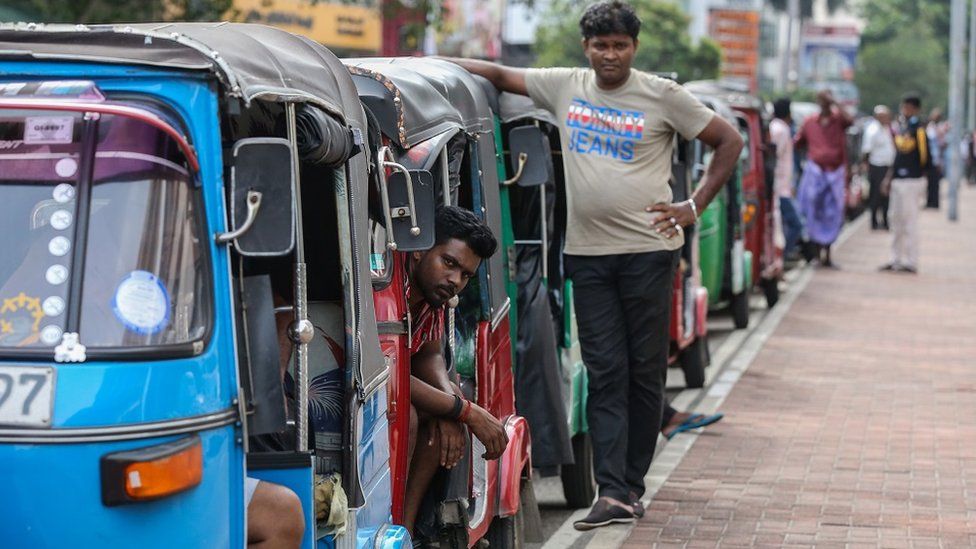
<point x="786" y="218"/>
<point x="878" y="152"/>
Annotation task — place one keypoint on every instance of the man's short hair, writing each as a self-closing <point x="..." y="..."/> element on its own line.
<point x="612" y="17"/>
<point x="912" y="99"/>
<point x="781" y="107"/>
<point x="454" y="222"/>
<point x="881" y="109"/>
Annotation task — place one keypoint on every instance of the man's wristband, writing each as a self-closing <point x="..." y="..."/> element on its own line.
<point x="457" y="408"/>
<point x="463" y="416"/>
<point x="694" y="208"/>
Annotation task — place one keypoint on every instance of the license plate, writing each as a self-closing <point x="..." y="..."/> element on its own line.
<point x="26" y="396"/>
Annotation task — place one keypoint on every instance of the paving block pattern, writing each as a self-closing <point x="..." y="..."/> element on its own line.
<point x="856" y="424"/>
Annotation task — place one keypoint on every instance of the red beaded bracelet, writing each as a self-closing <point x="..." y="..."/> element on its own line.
<point x="464" y="411"/>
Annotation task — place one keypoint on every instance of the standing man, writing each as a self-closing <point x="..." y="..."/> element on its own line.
<point x="822" y="185"/>
<point x="623" y="232"/>
<point x="907" y="186"/>
<point x="878" y="151"/>
<point x="781" y="135"/>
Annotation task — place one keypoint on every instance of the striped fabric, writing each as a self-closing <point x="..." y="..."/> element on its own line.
<point x="428" y="324"/>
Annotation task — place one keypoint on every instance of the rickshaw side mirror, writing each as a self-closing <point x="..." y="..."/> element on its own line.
<point x="531" y="157"/>
<point x="410" y="238"/>
<point x="262" y="207"/>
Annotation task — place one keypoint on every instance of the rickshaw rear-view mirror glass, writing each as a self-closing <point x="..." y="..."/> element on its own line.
<point x="531" y="157"/>
<point x="412" y="232"/>
<point x="263" y="165"/>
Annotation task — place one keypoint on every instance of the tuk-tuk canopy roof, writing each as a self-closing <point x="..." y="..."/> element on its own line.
<point x="519" y="107"/>
<point x="251" y="61"/>
<point x="419" y="98"/>
<point x="736" y="96"/>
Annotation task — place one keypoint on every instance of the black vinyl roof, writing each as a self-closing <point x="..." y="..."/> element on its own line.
<point x="251" y="61"/>
<point x="417" y="98"/>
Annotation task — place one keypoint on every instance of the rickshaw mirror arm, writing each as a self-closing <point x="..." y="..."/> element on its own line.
<point x="522" y="161"/>
<point x="384" y="163"/>
<point x="253" y="205"/>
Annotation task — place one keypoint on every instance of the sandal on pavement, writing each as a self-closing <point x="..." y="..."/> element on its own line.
<point x="696" y="421"/>
<point x="605" y="513"/>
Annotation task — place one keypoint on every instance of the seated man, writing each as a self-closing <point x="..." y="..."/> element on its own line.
<point x="438" y="408"/>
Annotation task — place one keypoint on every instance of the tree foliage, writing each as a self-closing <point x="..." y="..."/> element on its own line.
<point x="886" y="18"/>
<point x="120" y="11"/>
<point x="665" y="45"/>
<point x="910" y="60"/>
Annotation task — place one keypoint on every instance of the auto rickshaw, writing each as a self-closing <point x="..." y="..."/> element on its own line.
<point x="435" y="117"/>
<point x="185" y="207"/>
<point x="757" y="192"/>
<point x="726" y="263"/>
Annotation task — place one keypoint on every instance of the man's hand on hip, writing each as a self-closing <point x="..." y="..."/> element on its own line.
<point x="672" y="217"/>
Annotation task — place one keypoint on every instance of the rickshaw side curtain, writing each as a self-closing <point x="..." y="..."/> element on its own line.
<point x="538" y="381"/>
<point x="322" y="140"/>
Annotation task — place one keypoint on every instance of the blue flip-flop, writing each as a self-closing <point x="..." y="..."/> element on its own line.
<point x="695" y="421"/>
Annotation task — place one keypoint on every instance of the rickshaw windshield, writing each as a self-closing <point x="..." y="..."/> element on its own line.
<point x="102" y="234"/>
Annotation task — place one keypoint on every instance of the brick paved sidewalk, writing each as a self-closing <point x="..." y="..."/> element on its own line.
<point x="856" y="424"/>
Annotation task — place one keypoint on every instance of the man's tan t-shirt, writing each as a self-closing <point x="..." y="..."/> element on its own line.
<point x="617" y="153"/>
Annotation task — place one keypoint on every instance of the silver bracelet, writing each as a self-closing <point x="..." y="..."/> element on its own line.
<point x="694" y="208"/>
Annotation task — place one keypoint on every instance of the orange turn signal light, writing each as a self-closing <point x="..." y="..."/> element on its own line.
<point x="165" y="476"/>
<point x="152" y="473"/>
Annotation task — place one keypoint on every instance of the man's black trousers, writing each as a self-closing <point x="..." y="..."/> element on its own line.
<point x="877" y="201"/>
<point x="623" y="310"/>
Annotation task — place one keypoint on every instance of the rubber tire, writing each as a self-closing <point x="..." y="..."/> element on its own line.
<point x="579" y="486"/>
<point x="693" y="360"/>
<point x="531" y="517"/>
<point x="740" y="310"/>
<point x="770" y="287"/>
<point x="506" y="533"/>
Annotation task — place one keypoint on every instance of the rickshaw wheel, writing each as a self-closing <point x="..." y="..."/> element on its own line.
<point x="693" y="360"/>
<point x="579" y="486"/>
<point x="507" y="532"/>
<point x="740" y="310"/>
<point x="770" y="288"/>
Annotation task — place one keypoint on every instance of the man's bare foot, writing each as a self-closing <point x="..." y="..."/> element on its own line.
<point x="676" y="420"/>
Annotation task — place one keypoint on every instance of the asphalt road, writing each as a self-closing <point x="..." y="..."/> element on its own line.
<point x="549" y="491"/>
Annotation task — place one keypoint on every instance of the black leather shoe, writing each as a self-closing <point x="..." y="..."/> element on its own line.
<point x="604" y="513"/>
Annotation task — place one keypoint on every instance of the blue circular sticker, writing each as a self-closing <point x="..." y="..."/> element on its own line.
<point x="141" y="303"/>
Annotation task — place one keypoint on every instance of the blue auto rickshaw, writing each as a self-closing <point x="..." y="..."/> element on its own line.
<point x="183" y="301"/>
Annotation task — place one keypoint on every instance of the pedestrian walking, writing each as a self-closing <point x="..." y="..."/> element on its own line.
<point x="821" y="193"/>
<point x="878" y="153"/>
<point x="907" y="184"/>
<point x="788" y="220"/>
<point x="623" y="233"/>
<point x="936" y="132"/>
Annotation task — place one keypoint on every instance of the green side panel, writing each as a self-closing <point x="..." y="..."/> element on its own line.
<point x="747" y="260"/>
<point x="507" y="241"/>
<point x="573" y="368"/>
<point x="712" y="239"/>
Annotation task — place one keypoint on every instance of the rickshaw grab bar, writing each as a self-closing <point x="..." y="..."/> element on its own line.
<point x="74" y="435"/>
<point x="523" y="159"/>
<point x="381" y="164"/>
<point x="253" y="205"/>
<point x="119" y="110"/>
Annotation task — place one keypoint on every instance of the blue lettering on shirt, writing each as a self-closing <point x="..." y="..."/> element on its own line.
<point x="603" y="131"/>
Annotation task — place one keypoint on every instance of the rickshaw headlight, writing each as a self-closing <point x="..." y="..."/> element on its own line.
<point x="152" y="473"/>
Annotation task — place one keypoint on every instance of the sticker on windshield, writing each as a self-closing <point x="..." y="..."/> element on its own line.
<point x="64" y="192"/>
<point x="377" y="263"/>
<point x="49" y="130"/>
<point x="141" y="303"/>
